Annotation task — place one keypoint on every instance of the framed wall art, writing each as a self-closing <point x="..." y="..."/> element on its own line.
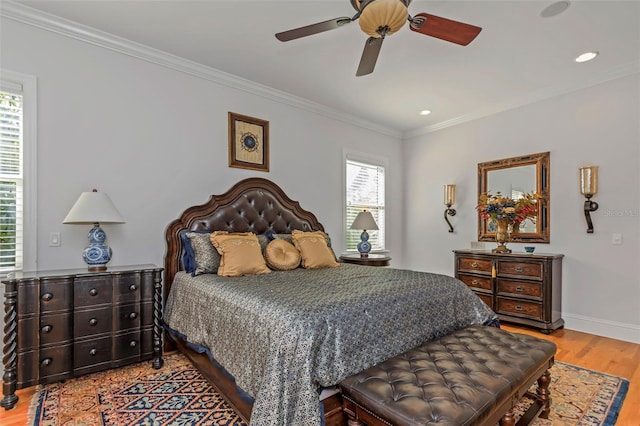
<point x="248" y="142"/>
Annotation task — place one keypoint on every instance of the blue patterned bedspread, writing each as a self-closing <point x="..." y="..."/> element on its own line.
<point x="285" y="334"/>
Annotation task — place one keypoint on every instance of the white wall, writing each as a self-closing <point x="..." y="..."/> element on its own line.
<point x="117" y="123"/>
<point x="598" y="125"/>
<point x="155" y="139"/>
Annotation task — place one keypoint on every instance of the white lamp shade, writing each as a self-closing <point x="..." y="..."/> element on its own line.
<point x="365" y="220"/>
<point x="93" y="207"/>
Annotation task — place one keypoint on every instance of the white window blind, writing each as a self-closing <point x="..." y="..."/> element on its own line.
<point x="365" y="190"/>
<point x="11" y="178"/>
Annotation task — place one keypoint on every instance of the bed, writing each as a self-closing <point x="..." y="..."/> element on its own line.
<point x="277" y="344"/>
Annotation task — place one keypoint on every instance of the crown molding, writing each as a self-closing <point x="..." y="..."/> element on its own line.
<point x="623" y="71"/>
<point x="48" y="22"/>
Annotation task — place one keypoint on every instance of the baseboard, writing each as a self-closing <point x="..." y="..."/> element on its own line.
<point x="600" y="327"/>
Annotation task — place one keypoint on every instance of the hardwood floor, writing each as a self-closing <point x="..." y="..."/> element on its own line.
<point x="597" y="353"/>
<point x="601" y="354"/>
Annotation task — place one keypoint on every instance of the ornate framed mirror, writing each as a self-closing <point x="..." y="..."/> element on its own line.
<point x="513" y="177"/>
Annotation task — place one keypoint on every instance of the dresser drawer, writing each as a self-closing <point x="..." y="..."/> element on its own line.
<point x="45" y="366"/>
<point x="48" y="295"/>
<point x="475" y="281"/>
<point x="532" y="270"/>
<point x="91" y="353"/>
<point x="486" y="298"/>
<point x="474" y="264"/>
<point x="519" y="288"/>
<point x="519" y="307"/>
<point x="127" y="317"/>
<point x="92" y="291"/>
<point x="128" y="288"/>
<point x="51" y="328"/>
<point x="127" y="345"/>
<point x="92" y="321"/>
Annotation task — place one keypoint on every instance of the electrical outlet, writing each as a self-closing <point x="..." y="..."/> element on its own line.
<point x="54" y="239"/>
<point x="616" y="239"/>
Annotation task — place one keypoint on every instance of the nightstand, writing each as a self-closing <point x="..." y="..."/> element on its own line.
<point x="371" y="260"/>
<point x="66" y="323"/>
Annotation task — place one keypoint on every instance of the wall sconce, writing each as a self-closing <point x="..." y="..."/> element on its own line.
<point x="589" y="187"/>
<point x="449" y="200"/>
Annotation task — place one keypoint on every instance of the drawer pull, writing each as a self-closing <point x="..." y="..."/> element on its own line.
<point x="519" y="288"/>
<point x="93" y="321"/>
<point x="133" y="343"/>
<point x="46" y="362"/>
<point x="133" y="315"/>
<point x="519" y="270"/>
<point x="133" y="287"/>
<point x="93" y="292"/>
<point x="518" y="308"/>
<point x="47" y="297"/>
<point x="93" y="352"/>
<point x="474" y="282"/>
<point x="475" y="264"/>
<point x="46" y="329"/>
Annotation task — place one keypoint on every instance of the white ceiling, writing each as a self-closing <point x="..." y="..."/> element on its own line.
<point x="519" y="57"/>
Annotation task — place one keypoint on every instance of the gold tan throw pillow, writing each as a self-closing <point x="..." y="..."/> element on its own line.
<point x="281" y="255"/>
<point x="240" y="254"/>
<point x="314" y="249"/>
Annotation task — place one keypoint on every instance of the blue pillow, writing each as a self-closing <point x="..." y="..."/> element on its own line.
<point x="189" y="256"/>
<point x="273" y="236"/>
<point x="200" y="257"/>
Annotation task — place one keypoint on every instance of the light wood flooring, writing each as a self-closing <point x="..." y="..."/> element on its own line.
<point x="597" y="353"/>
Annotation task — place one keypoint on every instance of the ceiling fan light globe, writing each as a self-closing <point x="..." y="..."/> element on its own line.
<point x="392" y="14"/>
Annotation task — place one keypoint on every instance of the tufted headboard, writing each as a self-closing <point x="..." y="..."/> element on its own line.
<point x="252" y="205"/>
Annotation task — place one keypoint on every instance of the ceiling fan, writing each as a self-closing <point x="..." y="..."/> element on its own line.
<point x="380" y="18"/>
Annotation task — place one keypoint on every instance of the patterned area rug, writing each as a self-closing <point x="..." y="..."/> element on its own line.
<point x="178" y="395"/>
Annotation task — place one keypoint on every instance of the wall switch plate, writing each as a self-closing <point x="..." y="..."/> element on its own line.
<point x="54" y="239"/>
<point x="477" y="245"/>
<point x="616" y="239"/>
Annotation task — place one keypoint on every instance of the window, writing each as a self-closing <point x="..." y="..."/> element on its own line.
<point x="17" y="172"/>
<point x="365" y="190"/>
<point x="11" y="178"/>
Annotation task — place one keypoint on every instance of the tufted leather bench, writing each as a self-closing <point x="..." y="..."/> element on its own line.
<point x="473" y="376"/>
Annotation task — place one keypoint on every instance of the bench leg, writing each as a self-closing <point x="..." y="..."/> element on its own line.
<point x="543" y="394"/>
<point x="508" y="419"/>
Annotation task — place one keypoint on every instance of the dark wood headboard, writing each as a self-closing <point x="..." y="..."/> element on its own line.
<point x="252" y="205"/>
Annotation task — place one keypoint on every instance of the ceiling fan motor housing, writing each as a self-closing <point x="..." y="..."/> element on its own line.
<point x="375" y="15"/>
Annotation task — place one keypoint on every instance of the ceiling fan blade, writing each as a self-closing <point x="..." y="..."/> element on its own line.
<point x="308" y="30"/>
<point x="369" y="56"/>
<point x="444" y="29"/>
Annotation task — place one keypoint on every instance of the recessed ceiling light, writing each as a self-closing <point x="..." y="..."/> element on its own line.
<point x="587" y="56"/>
<point x="425" y="112"/>
<point x="554" y="9"/>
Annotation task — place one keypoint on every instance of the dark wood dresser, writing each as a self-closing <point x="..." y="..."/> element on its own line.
<point x="66" y="323"/>
<point x="521" y="288"/>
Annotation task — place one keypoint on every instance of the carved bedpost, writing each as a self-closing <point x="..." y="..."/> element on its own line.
<point x="10" y="355"/>
<point x="157" y="319"/>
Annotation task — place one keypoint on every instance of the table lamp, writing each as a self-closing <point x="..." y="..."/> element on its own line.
<point x="364" y="221"/>
<point x="92" y="208"/>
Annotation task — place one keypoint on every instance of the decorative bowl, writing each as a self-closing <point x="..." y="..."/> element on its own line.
<point x="529" y="249"/>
